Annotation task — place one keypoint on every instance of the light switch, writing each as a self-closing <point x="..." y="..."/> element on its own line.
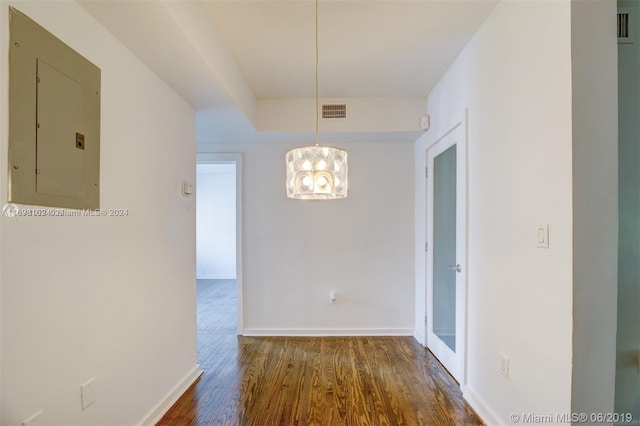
<point x="187" y="188"/>
<point x="543" y="236"/>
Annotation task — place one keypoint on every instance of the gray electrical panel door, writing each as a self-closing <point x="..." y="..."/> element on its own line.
<point x="57" y="128"/>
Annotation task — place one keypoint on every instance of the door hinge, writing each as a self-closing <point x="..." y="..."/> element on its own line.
<point x="426" y="246"/>
<point x="425" y="319"/>
<point x="426" y="172"/>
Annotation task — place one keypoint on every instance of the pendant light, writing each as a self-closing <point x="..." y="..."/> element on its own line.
<point x="316" y="172"/>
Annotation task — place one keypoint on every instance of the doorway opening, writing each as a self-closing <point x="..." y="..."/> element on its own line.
<point x="219" y="245"/>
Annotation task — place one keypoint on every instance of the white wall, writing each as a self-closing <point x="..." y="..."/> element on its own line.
<point x="363" y="115"/>
<point x="105" y="297"/>
<point x="627" y="395"/>
<point x="296" y="252"/>
<point x="595" y="203"/>
<point x="216" y="221"/>
<point x="514" y="77"/>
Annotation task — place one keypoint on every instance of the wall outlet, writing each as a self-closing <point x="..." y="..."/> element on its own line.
<point x="33" y="420"/>
<point x="504" y="365"/>
<point x="88" y="393"/>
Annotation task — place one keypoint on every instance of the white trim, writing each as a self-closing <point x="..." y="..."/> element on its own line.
<point x="167" y="402"/>
<point x="480" y="407"/>
<point x="213" y="158"/>
<point x="328" y="332"/>
<point x="214" y="277"/>
<point x="419" y="336"/>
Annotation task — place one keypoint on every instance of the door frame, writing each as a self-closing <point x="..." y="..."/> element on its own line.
<point x="462" y="173"/>
<point x="232" y="158"/>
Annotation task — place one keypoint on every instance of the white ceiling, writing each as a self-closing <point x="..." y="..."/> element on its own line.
<point x="227" y="55"/>
<point x="366" y="48"/>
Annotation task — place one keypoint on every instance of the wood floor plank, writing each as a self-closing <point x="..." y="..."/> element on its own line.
<point x="311" y="381"/>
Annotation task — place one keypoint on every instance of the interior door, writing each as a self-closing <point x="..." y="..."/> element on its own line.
<point x="446" y="251"/>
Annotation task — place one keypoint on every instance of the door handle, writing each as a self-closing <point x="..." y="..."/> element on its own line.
<point x="456" y="268"/>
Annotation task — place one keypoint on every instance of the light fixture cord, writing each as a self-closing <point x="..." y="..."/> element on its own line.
<point x="317" y="73"/>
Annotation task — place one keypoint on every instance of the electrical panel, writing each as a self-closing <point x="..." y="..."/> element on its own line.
<point x="54" y="120"/>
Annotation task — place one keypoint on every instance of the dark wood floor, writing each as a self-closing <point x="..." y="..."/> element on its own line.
<point x="311" y="381"/>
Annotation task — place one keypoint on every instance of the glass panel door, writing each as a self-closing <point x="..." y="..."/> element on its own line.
<point x="446" y="275"/>
<point x="444" y="247"/>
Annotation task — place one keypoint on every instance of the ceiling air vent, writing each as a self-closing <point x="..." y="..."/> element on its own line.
<point x="334" y="111"/>
<point x="625" y="26"/>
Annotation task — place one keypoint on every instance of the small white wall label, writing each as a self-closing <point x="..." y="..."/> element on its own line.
<point x="425" y="122"/>
<point x="504" y="365"/>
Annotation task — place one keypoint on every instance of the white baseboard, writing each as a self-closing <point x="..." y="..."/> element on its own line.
<point x="419" y="337"/>
<point x="327" y="332"/>
<point x="214" y="277"/>
<point x="486" y="414"/>
<point x="167" y="402"/>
